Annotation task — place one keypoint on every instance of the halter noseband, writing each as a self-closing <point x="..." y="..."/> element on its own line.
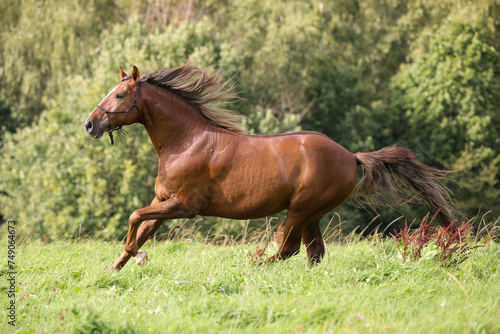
<point x="107" y="112"/>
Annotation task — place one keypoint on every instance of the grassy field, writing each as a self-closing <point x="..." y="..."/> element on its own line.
<point x="362" y="286"/>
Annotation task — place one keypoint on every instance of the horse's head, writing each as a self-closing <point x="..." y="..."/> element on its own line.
<point x="117" y="109"/>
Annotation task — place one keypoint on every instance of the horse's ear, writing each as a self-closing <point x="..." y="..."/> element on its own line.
<point x="122" y="73"/>
<point x="135" y="74"/>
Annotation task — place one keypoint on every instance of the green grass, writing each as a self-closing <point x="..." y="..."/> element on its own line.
<point x="361" y="286"/>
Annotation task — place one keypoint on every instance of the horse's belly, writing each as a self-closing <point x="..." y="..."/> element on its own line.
<point x="242" y="212"/>
<point x="247" y="200"/>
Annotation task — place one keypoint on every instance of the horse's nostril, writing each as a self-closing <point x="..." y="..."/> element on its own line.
<point x="88" y="126"/>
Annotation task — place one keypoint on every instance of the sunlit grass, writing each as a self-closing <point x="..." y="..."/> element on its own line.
<point x="197" y="287"/>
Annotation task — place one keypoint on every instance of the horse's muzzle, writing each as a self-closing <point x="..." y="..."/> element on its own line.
<point x="89" y="126"/>
<point x="92" y="129"/>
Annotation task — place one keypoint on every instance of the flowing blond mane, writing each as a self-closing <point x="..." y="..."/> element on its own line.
<point x="200" y="88"/>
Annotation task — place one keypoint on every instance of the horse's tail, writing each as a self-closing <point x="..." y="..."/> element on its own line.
<point x="395" y="174"/>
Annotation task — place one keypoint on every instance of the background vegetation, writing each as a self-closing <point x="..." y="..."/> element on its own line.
<point x="424" y="74"/>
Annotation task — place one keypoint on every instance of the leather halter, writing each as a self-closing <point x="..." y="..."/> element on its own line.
<point x="107" y="112"/>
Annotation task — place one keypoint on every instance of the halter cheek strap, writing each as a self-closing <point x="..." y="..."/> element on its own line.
<point x="107" y="112"/>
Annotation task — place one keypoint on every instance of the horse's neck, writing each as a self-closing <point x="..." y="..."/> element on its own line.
<point x="172" y="122"/>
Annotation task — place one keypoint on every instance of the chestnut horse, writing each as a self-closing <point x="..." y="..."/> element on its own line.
<point x="208" y="165"/>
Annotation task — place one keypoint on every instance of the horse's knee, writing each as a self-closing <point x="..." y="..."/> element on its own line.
<point x="134" y="218"/>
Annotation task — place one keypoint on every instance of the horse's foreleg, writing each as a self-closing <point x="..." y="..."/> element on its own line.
<point x="169" y="209"/>
<point x="147" y="229"/>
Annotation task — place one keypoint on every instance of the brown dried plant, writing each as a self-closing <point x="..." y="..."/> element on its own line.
<point x="451" y="241"/>
<point x="258" y="255"/>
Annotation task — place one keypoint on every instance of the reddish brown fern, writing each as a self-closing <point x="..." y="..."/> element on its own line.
<point x="452" y="241"/>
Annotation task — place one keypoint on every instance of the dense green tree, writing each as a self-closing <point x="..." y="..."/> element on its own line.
<point x="449" y="100"/>
<point x="43" y="42"/>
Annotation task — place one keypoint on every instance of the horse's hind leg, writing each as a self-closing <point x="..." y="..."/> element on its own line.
<point x="292" y="234"/>
<point x="313" y="240"/>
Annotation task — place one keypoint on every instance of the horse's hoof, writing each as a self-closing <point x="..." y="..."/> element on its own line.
<point x="141" y="257"/>
<point x="117" y="266"/>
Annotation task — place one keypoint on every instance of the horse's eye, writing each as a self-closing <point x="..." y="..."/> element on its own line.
<point x="119" y="96"/>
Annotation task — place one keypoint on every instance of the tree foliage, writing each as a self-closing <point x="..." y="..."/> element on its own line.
<point x="42" y="43"/>
<point x="449" y="99"/>
<point x="369" y="74"/>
